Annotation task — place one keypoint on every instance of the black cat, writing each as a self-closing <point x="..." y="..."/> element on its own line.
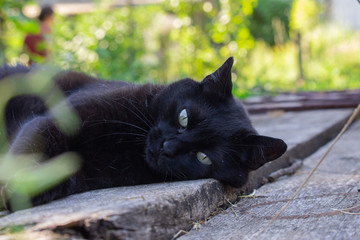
<point x="138" y="134"/>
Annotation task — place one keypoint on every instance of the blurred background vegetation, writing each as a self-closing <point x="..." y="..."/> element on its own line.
<point x="166" y="40"/>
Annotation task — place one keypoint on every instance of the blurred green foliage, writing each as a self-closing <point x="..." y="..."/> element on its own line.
<point x="174" y="39"/>
<point x="24" y="176"/>
<point x="166" y="41"/>
<point x="158" y="43"/>
<point x="270" y="21"/>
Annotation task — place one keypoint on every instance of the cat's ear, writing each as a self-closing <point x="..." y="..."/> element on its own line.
<point x="262" y="149"/>
<point x="219" y="82"/>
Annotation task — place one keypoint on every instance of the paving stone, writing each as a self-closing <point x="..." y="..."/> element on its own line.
<point x="159" y="211"/>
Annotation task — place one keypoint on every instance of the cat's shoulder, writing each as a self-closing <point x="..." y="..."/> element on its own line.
<point x="70" y="81"/>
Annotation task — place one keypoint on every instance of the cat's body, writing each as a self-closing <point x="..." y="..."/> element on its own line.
<point x="137" y="134"/>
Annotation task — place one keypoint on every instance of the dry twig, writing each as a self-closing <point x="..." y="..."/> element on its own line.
<point x="178" y="234"/>
<point x="251" y="195"/>
<point x="232" y="206"/>
<point x="347" y="210"/>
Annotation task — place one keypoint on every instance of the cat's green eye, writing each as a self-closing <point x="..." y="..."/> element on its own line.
<point x="203" y="158"/>
<point x="183" y="118"/>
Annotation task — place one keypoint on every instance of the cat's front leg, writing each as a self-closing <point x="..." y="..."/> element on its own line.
<point x="40" y="140"/>
<point x="40" y="135"/>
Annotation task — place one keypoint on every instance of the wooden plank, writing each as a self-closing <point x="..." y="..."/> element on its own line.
<point x="304" y="101"/>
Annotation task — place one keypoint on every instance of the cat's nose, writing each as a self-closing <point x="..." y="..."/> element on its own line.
<point x="169" y="147"/>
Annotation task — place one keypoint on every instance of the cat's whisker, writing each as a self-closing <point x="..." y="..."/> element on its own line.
<point x="143" y="118"/>
<point x="112" y="167"/>
<point x="115" y="134"/>
<point x="137" y="142"/>
<point x="141" y="113"/>
<point x="179" y="175"/>
<point x="104" y="101"/>
<point x="99" y="122"/>
<point x="248" y="145"/>
<point x="124" y="133"/>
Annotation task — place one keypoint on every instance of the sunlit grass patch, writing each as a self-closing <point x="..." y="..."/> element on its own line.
<point x="330" y="60"/>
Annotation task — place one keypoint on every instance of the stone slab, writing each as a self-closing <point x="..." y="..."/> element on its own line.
<point x="159" y="211"/>
<point x="327" y="208"/>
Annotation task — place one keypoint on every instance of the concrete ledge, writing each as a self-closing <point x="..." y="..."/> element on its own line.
<point x="159" y="211"/>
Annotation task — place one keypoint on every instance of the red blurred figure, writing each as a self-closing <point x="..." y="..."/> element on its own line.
<point x="36" y="45"/>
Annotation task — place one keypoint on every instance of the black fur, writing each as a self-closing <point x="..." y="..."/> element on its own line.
<point x="130" y="134"/>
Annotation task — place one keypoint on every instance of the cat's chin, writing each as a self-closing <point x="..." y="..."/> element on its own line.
<point x="154" y="161"/>
<point x="153" y="151"/>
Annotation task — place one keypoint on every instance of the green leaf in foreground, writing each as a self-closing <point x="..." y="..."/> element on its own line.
<point x="31" y="180"/>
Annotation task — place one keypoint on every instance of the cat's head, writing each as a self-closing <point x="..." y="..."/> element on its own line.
<point x="201" y="131"/>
